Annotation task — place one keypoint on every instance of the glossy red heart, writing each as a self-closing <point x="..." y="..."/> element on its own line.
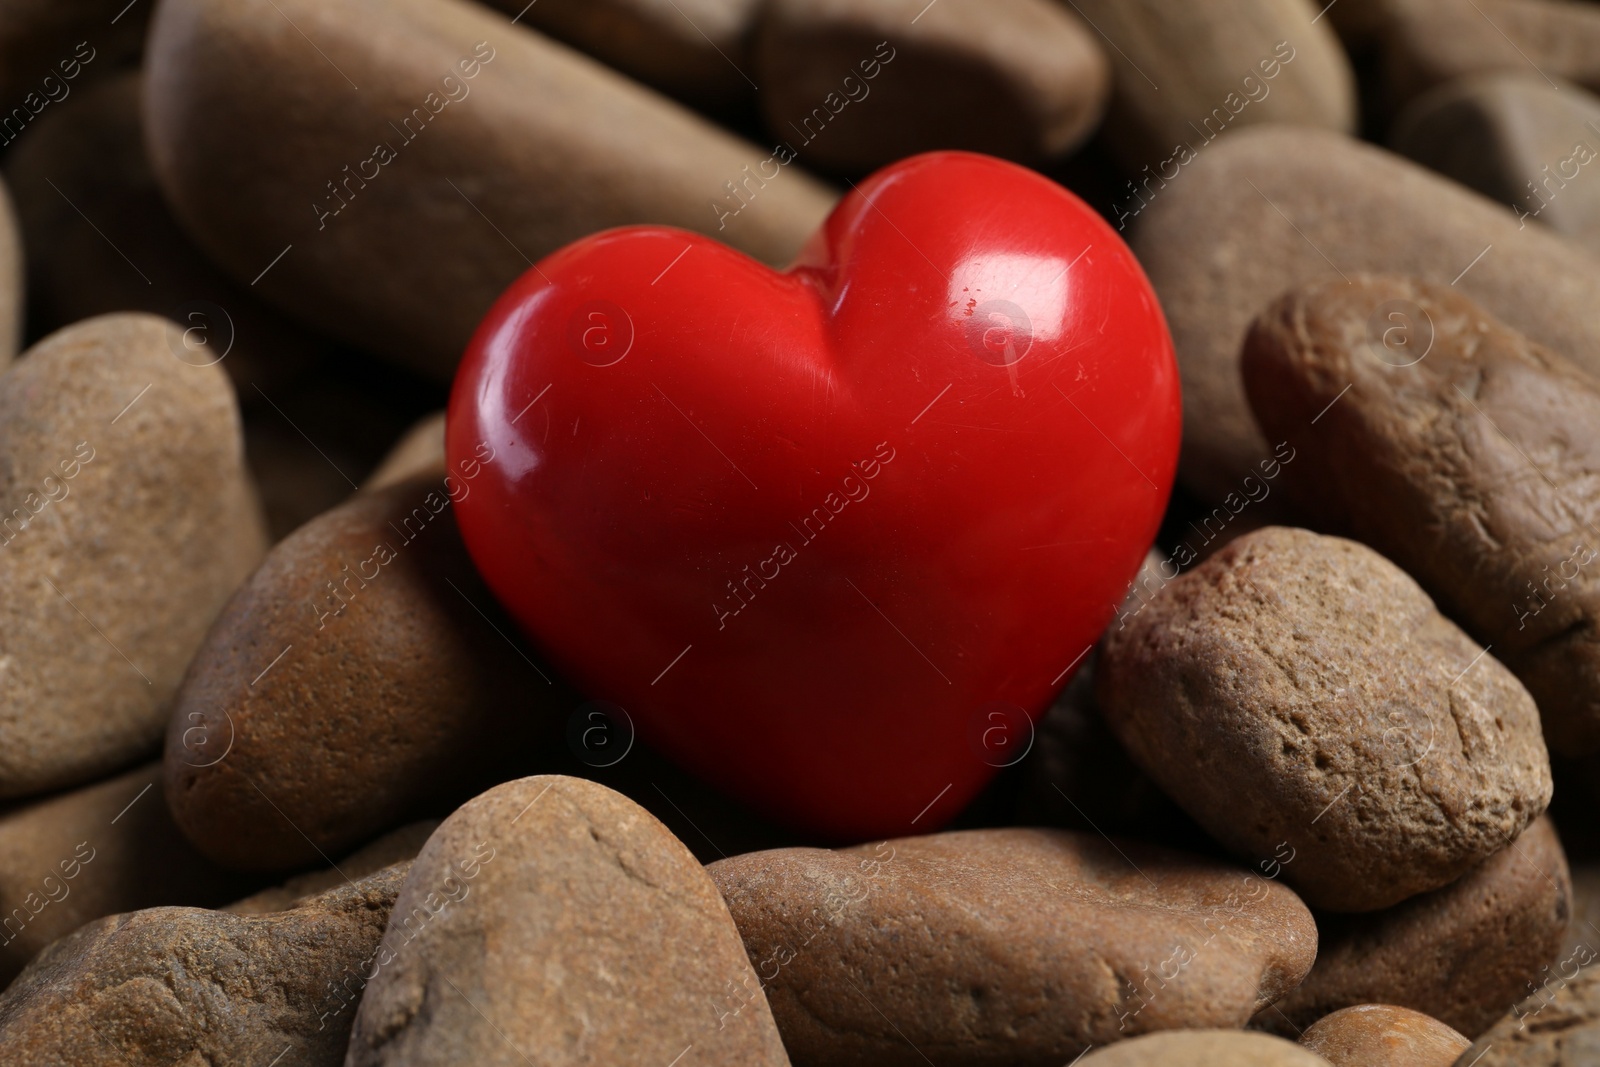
<point x="832" y="537"/>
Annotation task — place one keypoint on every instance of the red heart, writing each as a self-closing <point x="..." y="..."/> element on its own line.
<point x="833" y="537"/>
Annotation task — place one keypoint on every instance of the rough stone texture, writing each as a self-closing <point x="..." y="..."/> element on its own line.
<point x="1204" y="1048"/>
<point x="1218" y="257"/>
<point x="1559" y="1026"/>
<point x="1382" y="1035"/>
<point x="1298" y="688"/>
<point x="1460" y="954"/>
<point x="87" y="155"/>
<point x="250" y="132"/>
<point x="695" y="50"/>
<point x="397" y="846"/>
<point x="854" y="86"/>
<point x="40" y="39"/>
<point x="95" y="851"/>
<point x="1518" y="140"/>
<point x="1461" y="450"/>
<point x="1427" y="42"/>
<point x="553" y="918"/>
<point x="363" y="676"/>
<point x="183" y="987"/>
<point x="1185" y="73"/>
<point x="418" y="454"/>
<point x="126" y="520"/>
<point x="1019" y="947"/>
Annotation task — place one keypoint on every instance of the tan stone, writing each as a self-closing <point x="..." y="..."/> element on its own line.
<point x="127" y="522"/>
<point x="1204" y="1048"/>
<point x="1427" y="42"/>
<point x="1299" y="693"/>
<point x="1217" y="257"/>
<point x="362" y="677"/>
<point x="853" y="86"/>
<point x="1016" y="946"/>
<point x="515" y="147"/>
<point x="553" y="918"/>
<point x="1382" y="1035"/>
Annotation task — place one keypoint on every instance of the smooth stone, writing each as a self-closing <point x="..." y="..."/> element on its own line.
<point x="1217" y="258"/>
<point x="1462" y="954"/>
<point x="516" y="146"/>
<point x="852" y="87"/>
<point x="1518" y="140"/>
<point x="419" y="453"/>
<point x="1015" y="946"/>
<point x="396" y="846"/>
<point x="98" y="850"/>
<point x="694" y="50"/>
<point x="1426" y="457"/>
<point x="553" y="917"/>
<point x="1204" y="1048"/>
<point x="361" y="678"/>
<point x="185" y="987"/>
<point x="128" y="521"/>
<point x="1294" y="692"/>
<point x="72" y="44"/>
<point x="100" y="239"/>
<point x="1556" y="1027"/>
<point x="1382" y="1035"/>
<point x="11" y="279"/>
<point x="1186" y="73"/>
<point x="1428" y="42"/>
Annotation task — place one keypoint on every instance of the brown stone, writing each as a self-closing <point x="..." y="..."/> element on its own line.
<point x="418" y="454"/>
<point x="1299" y="693"/>
<point x="1558" y="1026"/>
<point x="126" y="520"/>
<point x="1517" y="139"/>
<point x="362" y="677"/>
<point x="1218" y="257"/>
<point x="95" y="851"/>
<point x="1016" y="946"/>
<point x="1462" y="954"/>
<point x="184" y="987"/>
<point x="1382" y="1035"/>
<point x="409" y="159"/>
<point x="695" y="50"/>
<point x="1427" y="42"/>
<point x="851" y="86"/>
<point x="397" y="846"/>
<point x="71" y="45"/>
<point x="553" y="918"/>
<point x="11" y="283"/>
<point x="1462" y="451"/>
<point x="1204" y="1048"/>
<point x="1186" y="73"/>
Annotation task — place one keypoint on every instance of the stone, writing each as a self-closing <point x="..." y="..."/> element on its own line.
<point x="551" y="917"/>
<point x="126" y="520"/>
<point x="1518" y="140"/>
<point x="385" y="176"/>
<point x="1295" y="691"/>
<point x="1204" y="1048"/>
<point x="361" y="678"/>
<point x="418" y="454"/>
<point x="1583" y="928"/>
<point x="1382" y="1035"/>
<point x="694" y="50"/>
<point x="1217" y="258"/>
<point x="1556" y="1027"/>
<point x="1429" y="457"/>
<point x="189" y="987"/>
<point x="1016" y="946"/>
<point x="1428" y="42"/>
<point x="1185" y="73"/>
<point x="100" y="239"/>
<point x="396" y="846"/>
<point x="11" y="279"/>
<point x="95" y="851"/>
<point x="49" y="50"/>
<point x="852" y="87"/>
<point x="1462" y="954"/>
